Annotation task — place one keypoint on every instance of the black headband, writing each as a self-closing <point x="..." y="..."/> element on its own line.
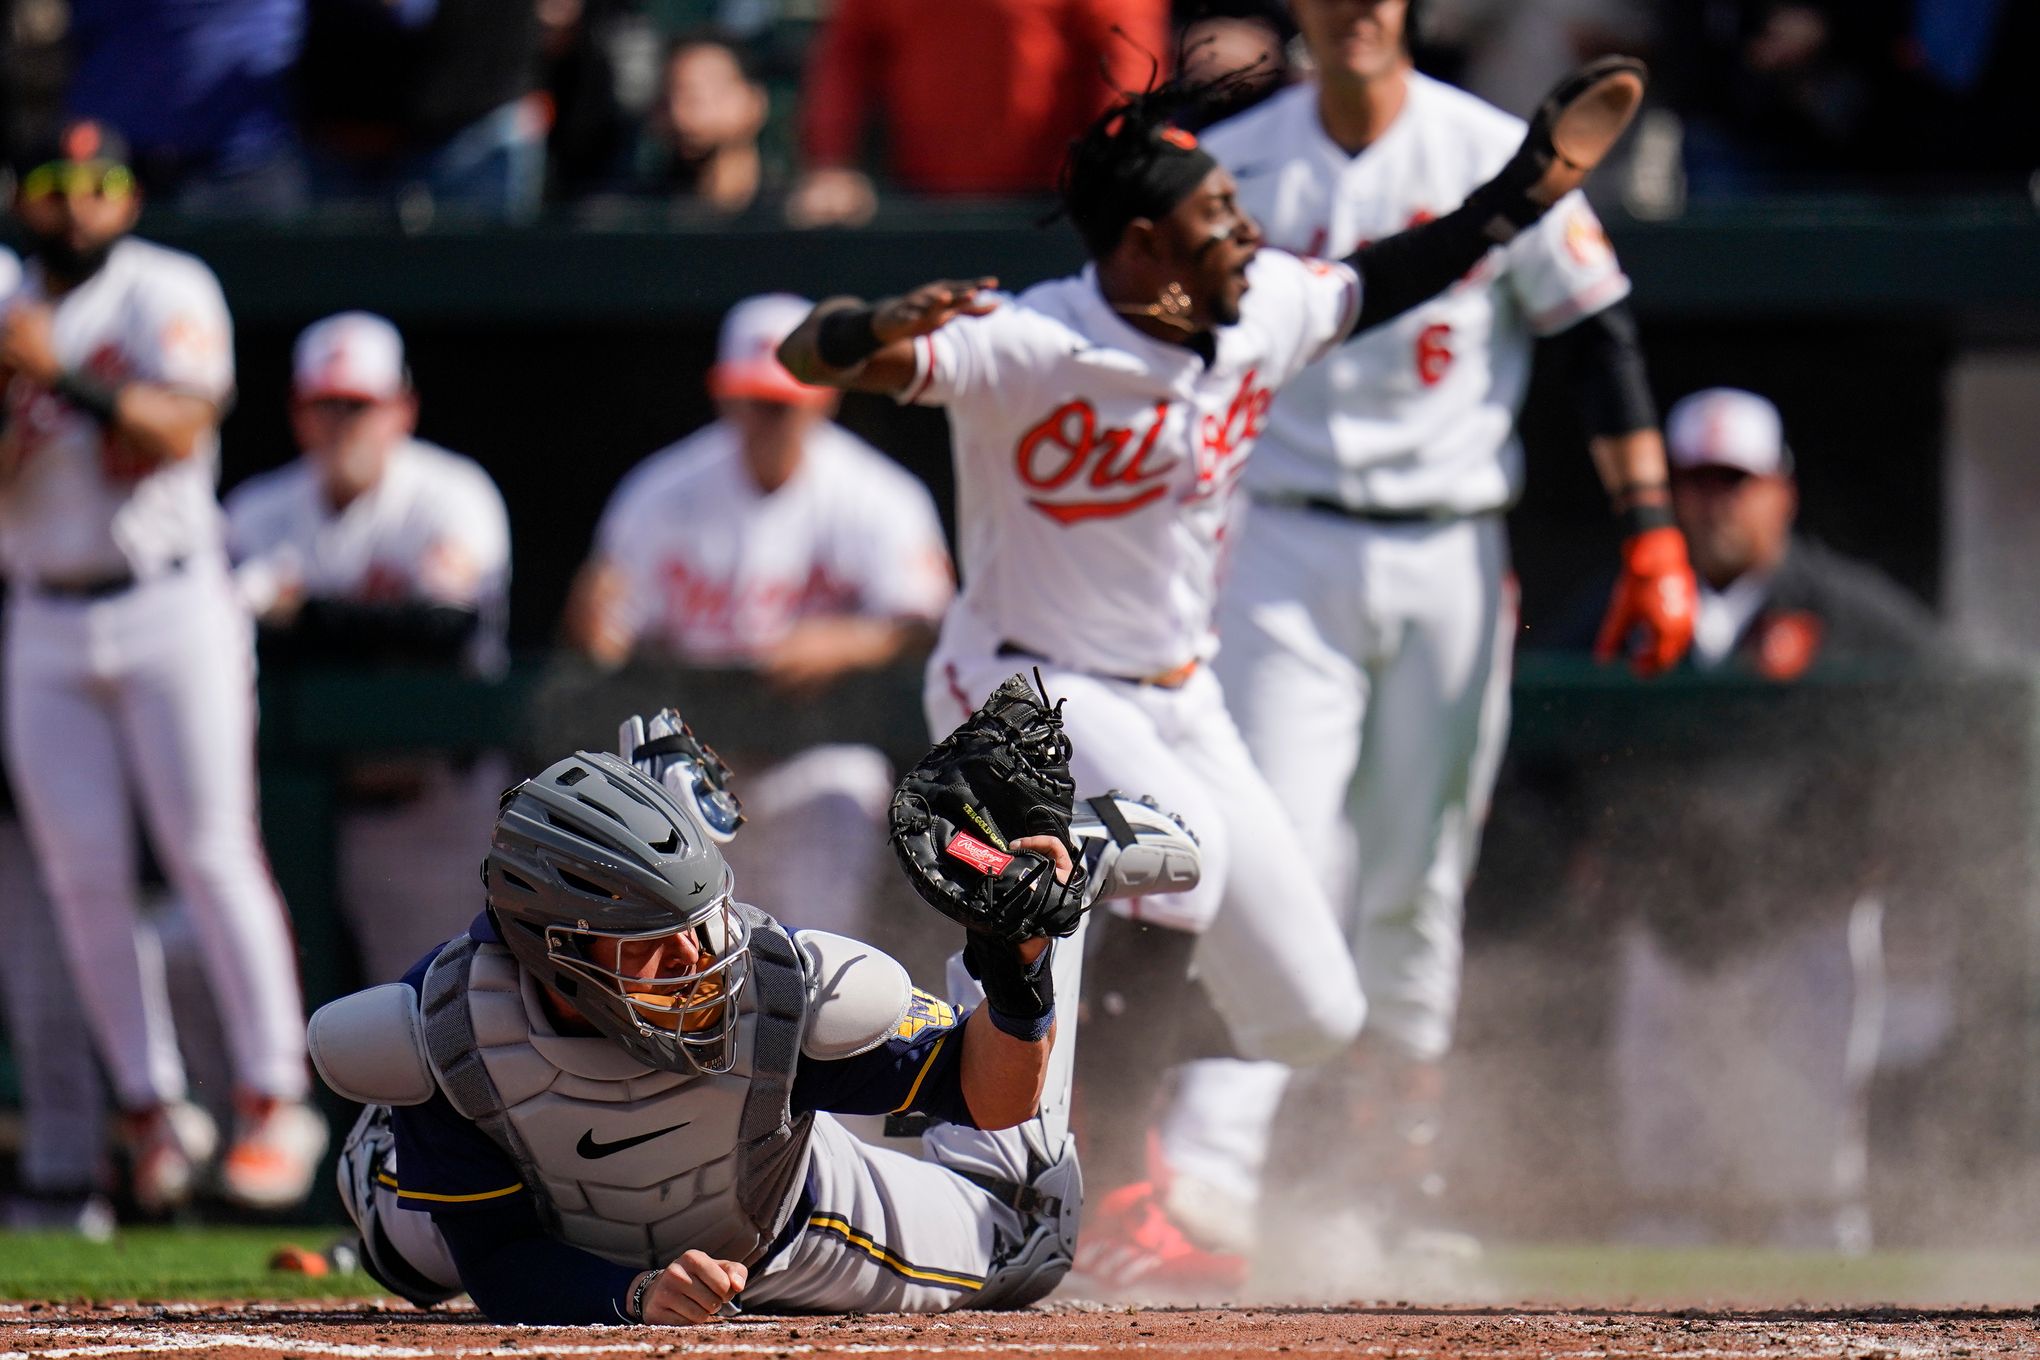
<point x="1154" y="187"/>
<point x="1147" y="180"/>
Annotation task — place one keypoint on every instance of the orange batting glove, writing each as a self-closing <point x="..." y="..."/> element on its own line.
<point x="1654" y="603"/>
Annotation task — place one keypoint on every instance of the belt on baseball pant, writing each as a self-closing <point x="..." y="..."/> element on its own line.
<point x="99" y="587"/>
<point x="1174" y="678"/>
<point x="1374" y="514"/>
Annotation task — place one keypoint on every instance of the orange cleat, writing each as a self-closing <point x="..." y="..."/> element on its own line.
<point x="1129" y="1245"/>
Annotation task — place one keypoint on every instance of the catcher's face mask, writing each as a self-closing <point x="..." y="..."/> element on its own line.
<point x="676" y="990"/>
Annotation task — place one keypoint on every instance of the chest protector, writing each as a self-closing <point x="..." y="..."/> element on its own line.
<point x="634" y="1164"/>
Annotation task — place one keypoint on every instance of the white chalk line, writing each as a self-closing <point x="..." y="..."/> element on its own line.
<point x="110" y="1340"/>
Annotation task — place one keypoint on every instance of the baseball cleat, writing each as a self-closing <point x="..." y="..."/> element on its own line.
<point x="167" y="1146"/>
<point x="1130" y="1247"/>
<point x="1129" y="847"/>
<point x="276" y="1152"/>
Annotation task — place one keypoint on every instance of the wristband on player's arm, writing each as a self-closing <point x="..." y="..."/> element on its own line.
<point x="93" y="396"/>
<point x="845" y="338"/>
<point x="1637" y="517"/>
<point x="1019" y="995"/>
<point x="634" y="1306"/>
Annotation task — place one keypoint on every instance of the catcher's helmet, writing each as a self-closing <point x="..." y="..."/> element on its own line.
<point x="597" y="877"/>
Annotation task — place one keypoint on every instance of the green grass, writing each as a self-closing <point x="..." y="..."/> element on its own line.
<point x="167" y="1263"/>
<point x="232" y="1263"/>
<point x="1606" y="1276"/>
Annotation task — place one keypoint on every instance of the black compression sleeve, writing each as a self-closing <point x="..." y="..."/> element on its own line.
<point x="1604" y="354"/>
<point x="1400" y="271"/>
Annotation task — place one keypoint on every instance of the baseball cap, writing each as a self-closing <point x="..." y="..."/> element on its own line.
<point x="746" y="359"/>
<point x="1728" y="427"/>
<point x="356" y="355"/>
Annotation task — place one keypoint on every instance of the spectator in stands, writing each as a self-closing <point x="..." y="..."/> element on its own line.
<point x="1750" y="971"/>
<point x="976" y="99"/>
<point x="412" y="102"/>
<point x="201" y="89"/>
<point x="591" y="51"/>
<point x="376" y="547"/>
<point x="774" y="538"/>
<point x="700" y="144"/>
<point x="1780" y="89"/>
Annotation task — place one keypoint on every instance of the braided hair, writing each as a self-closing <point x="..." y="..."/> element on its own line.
<point x="1136" y="160"/>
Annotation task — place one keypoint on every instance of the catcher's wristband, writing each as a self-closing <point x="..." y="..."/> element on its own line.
<point x="635" y="1309"/>
<point x="1020" y="996"/>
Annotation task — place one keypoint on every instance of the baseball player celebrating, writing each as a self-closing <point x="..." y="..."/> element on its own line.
<point x="1100" y="424"/>
<point x="1367" y="614"/>
<point x="611" y="1099"/>
<point x="130" y="664"/>
<point x="775" y="538"/>
<point x="376" y="545"/>
<point x="62" y="1110"/>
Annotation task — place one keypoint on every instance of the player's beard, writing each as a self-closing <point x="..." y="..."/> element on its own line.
<point x="66" y="262"/>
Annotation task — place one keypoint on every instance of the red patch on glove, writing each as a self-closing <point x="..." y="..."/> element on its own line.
<point x="977" y="854"/>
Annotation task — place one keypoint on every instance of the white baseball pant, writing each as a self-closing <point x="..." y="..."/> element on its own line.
<point x="1367" y="665"/>
<point x="154" y="685"/>
<point x="1270" y="955"/>
<point x="1750" y="1075"/>
<point x="63" y="1106"/>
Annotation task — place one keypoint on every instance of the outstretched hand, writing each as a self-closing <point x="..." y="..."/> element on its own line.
<point x="931" y="307"/>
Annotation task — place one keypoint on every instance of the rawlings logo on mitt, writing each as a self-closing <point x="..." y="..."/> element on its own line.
<point x="1004" y="773"/>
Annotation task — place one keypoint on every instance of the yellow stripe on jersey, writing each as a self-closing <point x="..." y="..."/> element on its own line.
<point x="840" y="1226"/>
<point x="920" y="1077"/>
<point x="385" y="1178"/>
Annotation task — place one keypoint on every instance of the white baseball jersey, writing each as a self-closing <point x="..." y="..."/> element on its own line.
<point x="1094" y="464"/>
<point x="433" y="529"/>
<point x="1418" y="414"/>
<point x="78" y="509"/>
<point x="717" y="570"/>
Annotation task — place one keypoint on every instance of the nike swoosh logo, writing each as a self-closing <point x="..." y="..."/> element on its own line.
<point x="591" y="1149"/>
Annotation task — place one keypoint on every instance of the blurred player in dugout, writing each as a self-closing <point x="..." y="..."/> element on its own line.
<point x="773" y="538"/>
<point x="1750" y="992"/>
<point x="376" y="546"/>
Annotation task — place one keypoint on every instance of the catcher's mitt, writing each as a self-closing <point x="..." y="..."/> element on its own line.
<point x="1004" y="773"/>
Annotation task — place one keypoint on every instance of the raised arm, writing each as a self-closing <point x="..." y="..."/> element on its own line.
<point x="868" y="346"/>
<point x="1572" y="132"/>
<point x="1006" y="1041"/>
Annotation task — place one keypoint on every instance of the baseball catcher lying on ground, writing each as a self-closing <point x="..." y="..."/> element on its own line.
<point x="611" y="1099"/>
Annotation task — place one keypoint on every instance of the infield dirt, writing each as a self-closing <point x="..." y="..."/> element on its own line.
<point x="380" y="1331"/>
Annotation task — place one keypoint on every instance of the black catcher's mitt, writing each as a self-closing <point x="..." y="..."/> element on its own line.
<point x="1004" y="773"/>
